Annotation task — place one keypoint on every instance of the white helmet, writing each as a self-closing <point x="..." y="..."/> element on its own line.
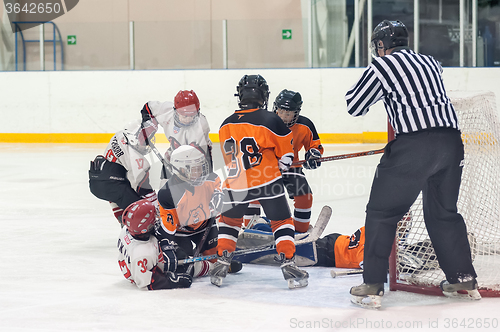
<point x="189" y="164"/>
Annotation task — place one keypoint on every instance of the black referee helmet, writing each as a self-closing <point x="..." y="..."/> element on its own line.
<point x="388" y="34"/>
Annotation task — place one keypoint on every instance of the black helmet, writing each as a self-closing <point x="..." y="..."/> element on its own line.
<point x="290" y="101"/>
<point x="391" y="34"/>
<point x="253" y="92"/>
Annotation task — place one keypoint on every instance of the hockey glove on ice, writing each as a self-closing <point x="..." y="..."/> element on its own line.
<point x="169" y="280"/>
<point x="312" y="159"/>
<point x="179" y="280"/>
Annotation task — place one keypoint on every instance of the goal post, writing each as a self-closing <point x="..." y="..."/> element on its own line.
<point x="413" y="266"/>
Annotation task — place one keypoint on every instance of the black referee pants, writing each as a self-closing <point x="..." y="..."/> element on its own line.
<point x="427" y="161"/>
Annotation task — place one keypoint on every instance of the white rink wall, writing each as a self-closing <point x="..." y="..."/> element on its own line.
<point x="104" y="101"/>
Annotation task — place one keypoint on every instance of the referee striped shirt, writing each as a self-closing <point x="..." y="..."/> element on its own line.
<point x="412" y="89"/>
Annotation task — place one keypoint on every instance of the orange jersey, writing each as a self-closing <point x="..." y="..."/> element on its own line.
<point x="252" y="142"/>
<point x="304" y="136"/>
<point x="349" y="250"/>
<point x="184" y="207"/>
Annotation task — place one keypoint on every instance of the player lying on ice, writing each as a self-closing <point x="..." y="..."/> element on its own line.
<point x="332" y="250"/>
<point x="189" y="202"/>
<point x="140" y="258"/>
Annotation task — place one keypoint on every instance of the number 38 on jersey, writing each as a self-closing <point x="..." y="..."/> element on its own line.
<point x="244" y="154"/>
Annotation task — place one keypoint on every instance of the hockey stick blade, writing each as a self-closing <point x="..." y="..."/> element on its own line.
<point x="319" y="226"/>
<point x="339" y="273"/>
<point x="342" y="156"/>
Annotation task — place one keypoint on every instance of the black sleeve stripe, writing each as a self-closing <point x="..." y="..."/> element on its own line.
<point x="302" y="120"/>
<point x="165" y="198"/>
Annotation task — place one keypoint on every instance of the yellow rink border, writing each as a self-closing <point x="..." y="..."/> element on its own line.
<point x="366" y="137"/>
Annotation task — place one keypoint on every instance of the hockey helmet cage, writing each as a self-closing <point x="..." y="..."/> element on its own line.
<point x="187" y="108"/>
<point x="391" y="34"/>
<point x="139" y="217"/>
<point x="252" y="92"/>
<point x="289" y="101"/>
<point x="190" y="164"/>
<point x="140" y="137"/>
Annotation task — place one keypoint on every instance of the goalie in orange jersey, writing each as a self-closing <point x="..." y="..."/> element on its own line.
<point x="256" y="146"/>
<point x="332" y="250"/>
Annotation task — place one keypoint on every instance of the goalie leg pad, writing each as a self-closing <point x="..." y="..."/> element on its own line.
<point x="305" y="255"/>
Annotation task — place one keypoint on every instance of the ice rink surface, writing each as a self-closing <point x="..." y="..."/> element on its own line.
<point x="59" y="268"/>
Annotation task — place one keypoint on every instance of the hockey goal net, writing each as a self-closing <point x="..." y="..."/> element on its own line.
<point x="413" y="265"/>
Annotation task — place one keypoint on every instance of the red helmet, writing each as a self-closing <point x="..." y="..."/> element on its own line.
<point x="187" y="104"/>
<point x="139" y="217"/>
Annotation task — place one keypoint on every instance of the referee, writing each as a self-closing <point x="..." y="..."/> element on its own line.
<point x="427" y="155"/>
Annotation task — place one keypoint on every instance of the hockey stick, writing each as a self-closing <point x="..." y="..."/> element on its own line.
<point x="342" y="156"/>
<point x="339" y="273"/>
<point x="201" y="243"/>
<point x="319" y="227"/>
<point x="158" y="154"/>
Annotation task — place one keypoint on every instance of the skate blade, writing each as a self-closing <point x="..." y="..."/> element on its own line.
<point x="368" y="302"/>
<point x="470" y="295"/>
<point x="292" y="283"/>
<point x="217" y="281"/>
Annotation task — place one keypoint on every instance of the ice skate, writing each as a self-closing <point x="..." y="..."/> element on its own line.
<point x="368" y="295"/>
<point x="467" y="289"/>
<point x="295" y="277"/>
<point x="221" y="268"/>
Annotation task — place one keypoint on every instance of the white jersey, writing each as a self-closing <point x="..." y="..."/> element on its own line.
<point x="137" y="258"/>
<point x="136" y="164"/>
<point x="196" y="133"/>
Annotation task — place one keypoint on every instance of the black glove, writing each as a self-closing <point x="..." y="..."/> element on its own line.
<point x="312" y="159"/>
<point x="146" y="113"/>
<point x="169" y="280"/>
<point x="179" y="280"/>
<point x="168" y="248"/>
<point x="97" y="163"/>
<point x="216" y="203"/>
